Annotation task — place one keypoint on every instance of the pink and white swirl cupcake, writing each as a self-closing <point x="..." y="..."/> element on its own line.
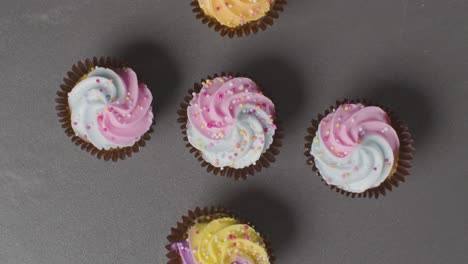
<point x="230" y="125"/>
<point x="360" y="148"/>
<point x="105" y="109"/>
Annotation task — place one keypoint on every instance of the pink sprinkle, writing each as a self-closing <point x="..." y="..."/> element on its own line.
<point x="75" y="123"/>
<point x="232" y="237"/>
<point x="375" y="168"/>
<point x="264" y="104"/>
<point x="246" y="85"/>
<point x="234" y="244"/>
<point x="246" y="227"/>
<point x="220" y="96"/>
<point x="356" y="168"/>
<point x="205" y="94"/>
<point x="235" y="154"/>
<point x="386" y="160"/>
<point x="218" y="8"/>
<point x="85" y="136"/>
<point x="101" y="90"/>
<point x="100" y="117"/>
<point x="265" y="129"/>
<point x="98" y="81"/>
<point x="88" y="127"/>
<point x="105" y="129"/>
<point x="247" y="237"/>
<point x="209" y="125"/>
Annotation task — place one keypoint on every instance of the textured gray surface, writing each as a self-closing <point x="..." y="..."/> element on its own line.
<point x="60" y="205"/>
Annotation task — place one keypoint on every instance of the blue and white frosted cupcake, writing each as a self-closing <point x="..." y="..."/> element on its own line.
<point x="230" y="125"/>
<point x="105" y="109"/>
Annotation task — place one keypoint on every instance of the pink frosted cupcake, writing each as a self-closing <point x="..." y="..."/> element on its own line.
<point x="230" y="126"/>
<point x="105" y="109"/>
<point x="360" y="148"/>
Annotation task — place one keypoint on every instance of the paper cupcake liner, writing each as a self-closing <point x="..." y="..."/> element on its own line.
<point x="63" y="111"/>
<point x="405" y="155"/>
<point x="179" y="232"/>
<point x="243" y="30"/>
<point x="263" y="162"/>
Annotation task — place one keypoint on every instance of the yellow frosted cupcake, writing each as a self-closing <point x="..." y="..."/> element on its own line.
<point x="238" y="17"/>
<point x="215" y="236"/>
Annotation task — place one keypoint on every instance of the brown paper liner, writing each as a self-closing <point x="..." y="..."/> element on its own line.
<point x="243" y="30"/>
<point x="263" y="162"/>
<point x="77" y="71"/>
<point x="405" y="155"/>
<point x="179" y="232"/>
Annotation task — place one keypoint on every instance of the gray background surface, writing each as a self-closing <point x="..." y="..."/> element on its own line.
<point x="60" y="205"/>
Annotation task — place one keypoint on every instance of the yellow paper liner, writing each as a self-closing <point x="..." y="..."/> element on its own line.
<point x="179" y="232"/>
<point x="252" y="27"/>
<point x="263" y="162"/>
<point x="77" y="71"/>
<point x="405" y="155"/>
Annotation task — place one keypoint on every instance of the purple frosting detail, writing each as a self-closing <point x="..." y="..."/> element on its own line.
<point x="184" y="251"/>
<point x="183" y="248"/>
<point x="241" y="260"/>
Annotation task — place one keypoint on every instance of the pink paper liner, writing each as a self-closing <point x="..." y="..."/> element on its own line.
<point x="179" y="232"/>
<point x="404" y="158"/>
<point x="63" y="111"/>
<point x="263" y="162"/>
<point x="244" y="30"/>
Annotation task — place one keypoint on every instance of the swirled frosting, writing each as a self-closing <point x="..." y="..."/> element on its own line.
<point x="355" y="147"/>
<point x="230" y="122"/>
<point x="233" y="13"/>
<point x="110" y="109"/>
<point x="223" y="241"/>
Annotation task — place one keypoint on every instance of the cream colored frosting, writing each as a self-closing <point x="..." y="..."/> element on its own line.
<point x="234" y="13"/>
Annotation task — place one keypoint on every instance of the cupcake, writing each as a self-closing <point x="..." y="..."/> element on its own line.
<point x="237" y="17"/>
<point x="360" y="149"/>
<point x="213" y="236"/>
<point x="230" y="126"/>
<point x="105" y="109"/>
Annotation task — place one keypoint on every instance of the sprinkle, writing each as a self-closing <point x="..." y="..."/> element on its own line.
<point x="88" y="127"/>
<point x="98" y="81"/>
